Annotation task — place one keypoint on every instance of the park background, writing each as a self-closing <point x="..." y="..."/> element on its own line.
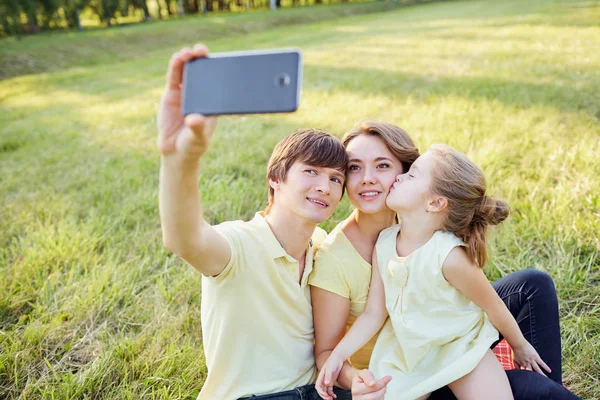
<point x="92" y="305"/>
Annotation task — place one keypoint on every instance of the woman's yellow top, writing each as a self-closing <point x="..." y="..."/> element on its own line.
<point x="340" y="269"/>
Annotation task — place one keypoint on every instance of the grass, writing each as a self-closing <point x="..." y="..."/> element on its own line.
<point x="92" y="306"/>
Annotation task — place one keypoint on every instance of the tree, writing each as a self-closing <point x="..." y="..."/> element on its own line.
<point x="105" y="9"/>
<point x="190" y="6"/>
<point x="72" y="9"/>
<point x="140" y="5"/>
<point x="28" y="7"/>
<point x="168" y="6"/>
<point x="49" y="9"/>
<point x="10" y="11"/>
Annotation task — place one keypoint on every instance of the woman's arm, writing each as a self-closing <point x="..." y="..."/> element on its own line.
<point x="369" y="322"/>
<point x="470" y="280"/>
<point x="363" y="329"/>
<point x="330" y="315"/>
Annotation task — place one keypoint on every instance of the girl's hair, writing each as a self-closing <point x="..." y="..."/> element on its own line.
<point x="395" y="138"/>
<point x="470" y="211"/>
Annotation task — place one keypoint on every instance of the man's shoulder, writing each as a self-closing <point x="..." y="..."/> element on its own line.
<point x="241" y="235"/>
<point x="238" y="226"/>
<point x="318" y="237"/>
<point x="226" y="226"/>
<point x="248" y="236"/>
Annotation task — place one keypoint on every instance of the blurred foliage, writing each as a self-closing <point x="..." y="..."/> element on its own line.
<point x="18" y="17"/>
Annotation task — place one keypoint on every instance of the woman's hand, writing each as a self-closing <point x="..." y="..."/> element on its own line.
<point x="526" y="357"/>
<point x="327" y="377"/>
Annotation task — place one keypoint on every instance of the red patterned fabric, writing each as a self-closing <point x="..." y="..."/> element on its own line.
<point x="505" y="355"/>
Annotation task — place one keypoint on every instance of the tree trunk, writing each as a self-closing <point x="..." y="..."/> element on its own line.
<point x="146" y="12"/>
<point x="168" y="5"/>
<point x="159" y="9"/>
<point x="78" y="19"/>
<point x="32" y="25"/>
<point x="223" y="5"/>
<point x="32" y="22"/>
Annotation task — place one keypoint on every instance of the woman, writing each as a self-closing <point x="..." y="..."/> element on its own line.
<point x="378" y="152"/>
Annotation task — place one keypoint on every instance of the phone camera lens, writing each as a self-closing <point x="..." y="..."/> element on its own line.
<point x="282" y="80"/>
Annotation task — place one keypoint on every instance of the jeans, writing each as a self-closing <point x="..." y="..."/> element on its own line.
<point x="307" y="392"/>
<point x="525" y="385"/>
<point x="531" y="298"/>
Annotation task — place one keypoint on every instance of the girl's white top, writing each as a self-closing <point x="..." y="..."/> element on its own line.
<point x="437" y="334"/>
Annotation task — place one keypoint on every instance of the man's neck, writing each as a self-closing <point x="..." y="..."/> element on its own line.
<point x="291" y="231"/>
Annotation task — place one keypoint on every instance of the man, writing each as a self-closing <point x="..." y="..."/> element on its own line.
<point x="256" y="313"/>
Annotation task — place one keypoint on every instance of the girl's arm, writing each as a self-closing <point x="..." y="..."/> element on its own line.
<point x="470" y="280"/>
<point x="363" y="329"/>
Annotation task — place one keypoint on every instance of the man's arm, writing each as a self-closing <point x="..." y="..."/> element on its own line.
<point x="182" y="142"/>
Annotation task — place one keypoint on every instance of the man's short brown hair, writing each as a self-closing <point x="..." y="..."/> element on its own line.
<point x="313" y="147"/>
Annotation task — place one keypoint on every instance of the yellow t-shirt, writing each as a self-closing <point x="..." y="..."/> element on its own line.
<point x="257" y="322"/>
<point x="340" y="269"/>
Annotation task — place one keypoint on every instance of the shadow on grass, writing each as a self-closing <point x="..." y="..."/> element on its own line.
<point x="516" y="93"/>
<point x="368" y="81"/>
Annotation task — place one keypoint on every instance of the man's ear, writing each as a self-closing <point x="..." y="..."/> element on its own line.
<point x="274" y="184"/>
<point x="437" y="204"/>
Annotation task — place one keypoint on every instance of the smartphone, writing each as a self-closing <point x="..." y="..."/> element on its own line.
<point x="247" y="82"/>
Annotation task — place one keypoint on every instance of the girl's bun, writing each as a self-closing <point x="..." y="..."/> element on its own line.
<point x="491" y="211"/>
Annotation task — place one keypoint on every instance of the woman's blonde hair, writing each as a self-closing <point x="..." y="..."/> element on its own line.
<point x="470" y="211"/>
<point x="395" y="138"/>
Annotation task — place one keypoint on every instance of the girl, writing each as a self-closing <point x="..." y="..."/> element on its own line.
<point x="342" y="272"/>
<point x="436" y="336"/>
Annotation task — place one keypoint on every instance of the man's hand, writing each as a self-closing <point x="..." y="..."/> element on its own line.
<point x="187" y="137"/>
<point x="366" y="387"/>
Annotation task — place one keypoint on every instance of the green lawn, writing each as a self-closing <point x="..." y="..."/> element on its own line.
<point x="92" y="306"/>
